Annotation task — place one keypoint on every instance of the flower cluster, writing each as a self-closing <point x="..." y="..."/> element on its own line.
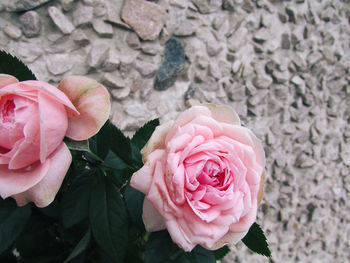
<point x="202" y="177"/>
<point x="195" y="182"/>
<point x="34" y="119"/>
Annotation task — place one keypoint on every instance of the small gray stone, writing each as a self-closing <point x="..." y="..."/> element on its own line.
<point x="58" y="64"/>
<point x="28" y="52"/>
<point x="228" y="5"/>
<point x="91" y="2"/>
<point x="113" y="81"/>
<point x="146" y="69"/>
<point x="102" y="29"/>
<point x="120" y="94"/>
<point x="285" y="42"/>
<point x="261" y="35"/>
<point x="133" y="41"/>
<point x="201" y="62"/>
<point x="112" y="62"/>
<point x="114" y="9"/>
<point x="146" y="18"/>
<point x="247" y="6"/>
<point x="135" y="110"/>
<point x="280" y="77"/>
<point x="207" y="6"/>
<point x="126" y="63"/>
<point x="298" y="81"/>
<point x="172" y="66"/>
<point x="189" y="94"/>
<point x="80" y="37"/>
<point x="97" y="55"/>
<point x="282" y="18"/>
<point x="100" y="9"/>
<point x="262" y="81"/>
<point x="236" y="66"/>
<point x="237" y="39"/>
<point x="304" y="161"/>
<point x="213" y="70"/>
<point x="225" y="68"/>
<point x="12" y="31"/>
<point x="235" y="91"/>
<point x="257" y="98"/>
<point x="291" y="14"/>
<point x="213" y="48"/>
<point x="186" y="28"/>
<point x="179" y="3"/>
<point x="67" y="5"/>
<point x="162" y="108"/>
<point x="218" y="22"/>
<point x="82" y="15"/>
<point x="60" y="20"/>
<point x="31" y="24"/>
<point x="151" y="48"/>
<point x="23" y="5"/>
<point x="299" y="61"/>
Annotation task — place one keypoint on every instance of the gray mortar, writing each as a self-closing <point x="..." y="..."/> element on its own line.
<point x="284" y="67"/>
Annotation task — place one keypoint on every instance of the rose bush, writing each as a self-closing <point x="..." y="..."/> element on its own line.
<point x="34" y="118"/>
<point x="202" y="177"/>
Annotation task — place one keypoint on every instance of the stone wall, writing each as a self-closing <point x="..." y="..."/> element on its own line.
<point x="283" y="65"/>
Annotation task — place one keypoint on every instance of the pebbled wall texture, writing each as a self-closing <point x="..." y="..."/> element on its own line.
<point x="283" y="65"/>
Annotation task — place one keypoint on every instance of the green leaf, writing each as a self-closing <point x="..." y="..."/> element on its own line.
<point x="13" y="219"/>
<point x="11" y="65"/>
<point x="108" y="218"/>
<point x="77" y="145"/>
<point x="255" y="240"/>
<point x="75" y="201"/>
<point x="120" y="171"/>
<point x="201" y="255"/>
<point x="134" y="204"/>
<point x="160" y="248"/>
<point x="103" y="140"/>
<point x="80" y="247"/>
<point x="221" y="252"/>
<point x="125" y="149"/>
<point x="143" y="134"/>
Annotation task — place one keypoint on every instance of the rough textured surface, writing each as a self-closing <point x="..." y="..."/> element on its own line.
<point x="284" y="67"/>
<point x="146" y="18"/>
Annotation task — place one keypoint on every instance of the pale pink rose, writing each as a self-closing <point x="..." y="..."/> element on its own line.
<point x="34" y="118"/>
<point x="202" y="177"/>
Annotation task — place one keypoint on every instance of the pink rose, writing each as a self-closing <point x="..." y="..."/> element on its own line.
<point x="202" y="177"/>
<point x="34" y="118"/>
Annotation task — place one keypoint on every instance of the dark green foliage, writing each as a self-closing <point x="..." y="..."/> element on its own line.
<point x="255" y="240"/>
<point x="13" y="219"/>
<point x="161" y="249"/>
<point x="221" y="252"/>
<point x="141" y="137"/>
<point x="11" y="65"/>
<point x="108" y="218"/>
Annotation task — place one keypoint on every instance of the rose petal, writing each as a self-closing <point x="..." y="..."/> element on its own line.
<point x="44" y="192"/>
<point x="157" y="139"/>
<point x="27" y="150"/>
<point x="28" y="88"/>
<point x="6" y="80"/>
<point x="142" y="179"/>
<point x="151" y="218"/>
<point x="223" y="113"/>
<point x="92" y="100"/>
<point x="17" y="181"/>
<point x="53" y="124"/>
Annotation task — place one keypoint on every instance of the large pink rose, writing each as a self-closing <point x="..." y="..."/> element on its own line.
<point x="34" y="118"/>
<point x="202" y="177"/>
